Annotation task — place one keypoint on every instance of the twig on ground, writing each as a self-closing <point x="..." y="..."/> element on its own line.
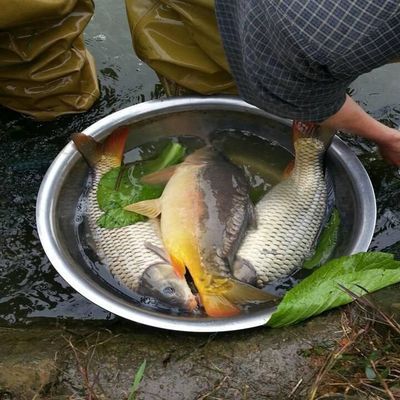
<point x="295" y="388"/>
<point x="215" y="389"/>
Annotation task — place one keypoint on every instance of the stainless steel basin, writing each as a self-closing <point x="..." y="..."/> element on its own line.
<point x="63" y="183"/>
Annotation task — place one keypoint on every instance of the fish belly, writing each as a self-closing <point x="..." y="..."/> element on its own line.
<point x="122" y="249"/>
<point x="180" y="213"/>
<point x="288" y="220"/>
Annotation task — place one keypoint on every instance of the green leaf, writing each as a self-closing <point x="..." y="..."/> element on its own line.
<point x="320" y="291"/>
<point x="121" y="187"/>
<point x="136" y="381"/>
<point x="326" y="243"/>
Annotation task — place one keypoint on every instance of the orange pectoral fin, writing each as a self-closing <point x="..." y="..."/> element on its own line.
<point x="179" y="266"/>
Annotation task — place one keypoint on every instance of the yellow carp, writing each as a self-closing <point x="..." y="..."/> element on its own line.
<point x="205" y="211"/>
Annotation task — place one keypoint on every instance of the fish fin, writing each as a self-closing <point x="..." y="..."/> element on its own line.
<point x="114" y="145"/>
<point x="288" y="169"/>
<point x="302" y="129"/>
<point x="159" y="177"/>
<point x="252" y="216"/>
<point x="244" y="271"/>
<point x="224" y="299"/>
<point x="218" y="306"/>
<point x="112" y="149"/>
<point x="148" y="208"/>
<point x="179" y="266"/>
<point x="242" y="293"/>
<point x="90" y="149"/>
<point x="158" y="250"/>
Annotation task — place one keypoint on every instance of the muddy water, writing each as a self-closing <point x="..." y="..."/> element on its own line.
<point x="29" y="286"/>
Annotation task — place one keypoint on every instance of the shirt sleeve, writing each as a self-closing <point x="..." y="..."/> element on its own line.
<point x="296" y="58"/>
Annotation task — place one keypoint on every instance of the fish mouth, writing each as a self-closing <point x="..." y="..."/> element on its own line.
<point x="192" y="304"/>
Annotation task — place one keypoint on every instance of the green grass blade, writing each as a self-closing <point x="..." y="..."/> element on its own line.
<point x="136" y="381"/>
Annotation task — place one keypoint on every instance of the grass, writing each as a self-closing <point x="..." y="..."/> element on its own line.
<point x="84" y="355"/>
<point x="136" y="381"/>
<point x="365" y="363"/>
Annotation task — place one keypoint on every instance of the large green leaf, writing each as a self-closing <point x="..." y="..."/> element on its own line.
<point x="326" y="243"/>
<point x="321" y="291"/>
<point x="121" y="187"/>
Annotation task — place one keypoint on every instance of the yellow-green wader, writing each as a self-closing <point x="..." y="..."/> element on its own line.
<point x="45" y="70"/>
<point x="179" y="39"/>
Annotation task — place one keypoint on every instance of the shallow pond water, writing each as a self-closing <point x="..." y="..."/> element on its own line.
<point x="30" y="288"/>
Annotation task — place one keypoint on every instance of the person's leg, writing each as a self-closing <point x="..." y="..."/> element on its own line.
<point x="45" y="70"/>
<point x="180" y="41"/>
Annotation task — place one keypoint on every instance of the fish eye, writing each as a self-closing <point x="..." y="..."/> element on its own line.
<point x="169" y="291"/>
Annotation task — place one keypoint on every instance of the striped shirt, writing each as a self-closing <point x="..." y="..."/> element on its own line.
<point x="295" y="58"/>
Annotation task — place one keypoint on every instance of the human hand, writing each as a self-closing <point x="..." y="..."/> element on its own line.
<point x="351" y="118"/>
<point x="389" y="148"/>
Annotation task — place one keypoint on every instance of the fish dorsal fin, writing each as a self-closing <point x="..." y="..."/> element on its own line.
<point x="112" y="149"/>
<point x="88" y="147"/>
<point x="159" y="177"/>
<point x="148" y="208"/>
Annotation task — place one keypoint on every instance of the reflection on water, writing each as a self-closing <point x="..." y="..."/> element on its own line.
<point x="29" y="286"/>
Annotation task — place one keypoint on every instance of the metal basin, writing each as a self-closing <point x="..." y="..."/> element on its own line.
<point x="63" y="183"/>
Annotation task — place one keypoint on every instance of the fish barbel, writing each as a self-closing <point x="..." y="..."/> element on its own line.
<point x="205" y="210"/>
<point x="124" y="249"/>
<point x="289" y="216"/>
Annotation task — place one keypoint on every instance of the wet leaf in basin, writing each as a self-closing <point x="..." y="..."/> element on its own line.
<point x="121" y="187"/>
<point x="326" y="243"/>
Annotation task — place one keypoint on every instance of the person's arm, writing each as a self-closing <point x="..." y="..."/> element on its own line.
<point x="353" y="119"/>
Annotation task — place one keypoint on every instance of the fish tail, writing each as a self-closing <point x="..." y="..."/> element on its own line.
<point x="114" y="145"/>
<point x="224" y="301"/>
<point x="288" y="169"/>
<point x="111" y="150"/>
<point x="218" y="306"/>
<point x="303" y="129"/>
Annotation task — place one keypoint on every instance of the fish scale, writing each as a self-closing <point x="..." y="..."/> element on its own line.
<point x="289" y="217"/>
<point x="118" y="247"/>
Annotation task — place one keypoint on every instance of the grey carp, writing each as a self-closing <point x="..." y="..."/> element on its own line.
<point x="124" y="249"/>
<point x="289" y="216"/>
